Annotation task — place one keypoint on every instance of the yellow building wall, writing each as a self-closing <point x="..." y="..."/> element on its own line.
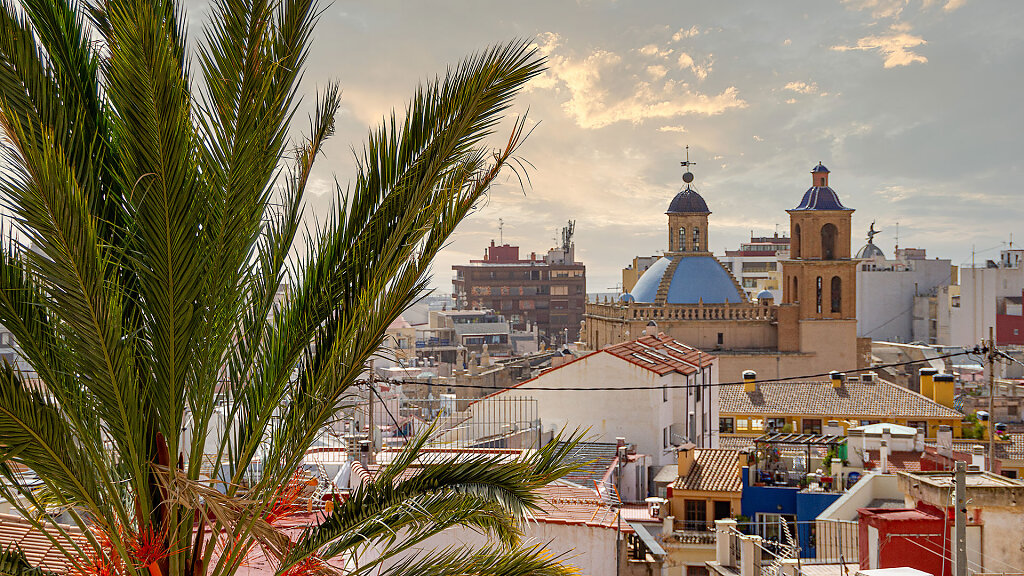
<point x="796" y="421"/>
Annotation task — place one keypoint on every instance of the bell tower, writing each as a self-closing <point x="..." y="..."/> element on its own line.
<point x="688" y="217"/>
<point x="820" y="277"/>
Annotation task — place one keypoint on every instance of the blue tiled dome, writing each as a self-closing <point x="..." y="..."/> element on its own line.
<point x="694" y="278"/>
<point x="688" y="201"/>
<point x="765" y="295"/>
<point x="820" y="198"/>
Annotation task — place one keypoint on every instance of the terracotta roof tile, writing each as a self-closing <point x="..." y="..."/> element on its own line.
<point x="855" y="399"/>
<point x="714" y="470"/>
<point x="661" y="354"/>
<point x="906" y="461"/>
<point x="16" y="533"/>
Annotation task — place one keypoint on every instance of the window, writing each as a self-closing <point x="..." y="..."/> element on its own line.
<point x="721" y="338"/>
<point x="666" y="437"/>
<point x="723" y="509"/>
<point x="741" y="424"/>
<point x="829" y="232"/>
<point x="837" y="294"/>
<point x="534" y="274"/>
<point x="696" y="239"/>
<point x="818" y="298"/>
<point x="812" y="425"/>
<point x="559" y="290"/>
<point x="1011" y="410"/>
<point x="769" y="526"/>
<point x="796" y="290"/>
<point x="725" y="425"/>
<point x="664" y="392"/>
<point x="1010" y="473"/>
<point x="696" y="515"/>
<point x="794" y="246"/>
<point x="682" y="239"/>
<point x="921" y="425"/>
<point x="774" y="424"/>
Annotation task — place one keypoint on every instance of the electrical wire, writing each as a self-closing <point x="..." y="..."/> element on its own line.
<point x="975" y="350"/>
<point x="385" y="404"/>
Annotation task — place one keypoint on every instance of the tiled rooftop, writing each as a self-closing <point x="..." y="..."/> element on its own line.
<point x="854" y="399"/>
<point x="714" y="470"/>
<point x="17" y="533"/>
<point x="661" y="354"/>
<point x="905" y="461"/>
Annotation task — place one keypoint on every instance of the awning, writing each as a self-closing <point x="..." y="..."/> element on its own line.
<point x="649" y="540"/>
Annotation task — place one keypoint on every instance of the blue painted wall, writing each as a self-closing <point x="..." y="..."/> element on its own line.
<point x="785" y="500"/>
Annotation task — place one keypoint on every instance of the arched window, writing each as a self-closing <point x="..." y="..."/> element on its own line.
<point x="818" y="298"/>
<point x="829" y="232"/>
<point x="696" y="239"/>
<point x="796" y="291"/>
<point x="837" y="294"/>
<point x="682" y="238"/>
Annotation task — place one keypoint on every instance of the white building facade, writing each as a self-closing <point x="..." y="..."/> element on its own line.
<point x="654" y="391"/>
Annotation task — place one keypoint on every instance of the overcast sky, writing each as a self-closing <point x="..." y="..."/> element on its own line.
<point x="914" y="105"/>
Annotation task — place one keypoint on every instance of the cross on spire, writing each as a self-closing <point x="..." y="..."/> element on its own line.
<point x="687" y="176"/>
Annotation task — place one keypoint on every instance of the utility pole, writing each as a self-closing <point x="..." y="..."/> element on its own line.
<point x="991" y="400"/>
<point x="960" y="518"/>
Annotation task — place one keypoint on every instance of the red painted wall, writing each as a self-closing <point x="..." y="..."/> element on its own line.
<point x="925" y="553"/>
<point x="1005" y="325"/>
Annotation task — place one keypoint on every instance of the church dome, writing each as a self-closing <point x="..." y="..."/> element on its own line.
<point x="870" y="251"/>
<point x="765" y="295"/>
<point x="691" y="279"/>
<point x="688" y="201"/>
<point x="820" y="198"/>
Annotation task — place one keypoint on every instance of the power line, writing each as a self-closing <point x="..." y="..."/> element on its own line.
<point x="975" y="350"/>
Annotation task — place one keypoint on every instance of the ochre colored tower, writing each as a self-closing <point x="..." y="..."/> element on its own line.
<point x="688" y="222"/>
<point x="819" y="279"/>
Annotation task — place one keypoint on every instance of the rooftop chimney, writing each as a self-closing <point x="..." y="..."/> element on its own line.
<point x="944" y="389"/>
<point x="837" y="379"/>
<point x="749" y="381"/>
<point x="978" y="457"/>
<point x="944" y="441"/>
<point x="685" y="458"/>
<point x="927" y="382"/>
<point x="884" y="451"/>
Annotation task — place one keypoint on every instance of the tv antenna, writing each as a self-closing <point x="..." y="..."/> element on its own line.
<point x="501" y="232"/>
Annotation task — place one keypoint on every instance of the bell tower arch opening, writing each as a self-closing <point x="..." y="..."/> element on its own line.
<point x="829" y="234"/>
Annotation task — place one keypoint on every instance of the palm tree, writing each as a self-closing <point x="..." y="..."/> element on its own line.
<point x="157" y="209"/>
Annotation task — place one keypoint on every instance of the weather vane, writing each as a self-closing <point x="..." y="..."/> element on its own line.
<point x="872" y="233"/>
<point x="687" y="176"/>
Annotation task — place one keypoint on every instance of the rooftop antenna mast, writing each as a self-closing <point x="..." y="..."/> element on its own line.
<point x="501" y="232"/>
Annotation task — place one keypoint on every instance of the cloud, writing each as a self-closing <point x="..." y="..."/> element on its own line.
<point x="603" y="88"/>
<point x="701" y="71"/>
<point x="878" y="8"/>
<point x="953" y="5"/>
<point x="684" y="33"/>
<point x="895" y="47"/>
<point x="801" y="87"/>
<point x="787" y="42"/>
<point x="679" y="129"/>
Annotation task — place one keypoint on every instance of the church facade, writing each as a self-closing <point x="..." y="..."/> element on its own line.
<point x="688" y="295"/>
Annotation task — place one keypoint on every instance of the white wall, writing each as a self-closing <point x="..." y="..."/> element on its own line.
<point x="640" y="416"/>
<point x="885" y="298"/>
<point x="591" y="550"/>
<point x="979" y="290"/>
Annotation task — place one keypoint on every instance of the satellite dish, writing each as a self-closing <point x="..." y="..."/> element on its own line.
<point x="688" y="177"/>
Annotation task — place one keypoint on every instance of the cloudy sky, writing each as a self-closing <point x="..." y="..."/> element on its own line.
<point x="914" y="105"/>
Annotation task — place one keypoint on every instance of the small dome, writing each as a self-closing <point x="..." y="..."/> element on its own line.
<point x="626" y="297"/>
<point x="765" y="295"/>
<point x="693" y="279"/>
<point x="820" y="198"/>
<point x="688" y="201"/>
<point x="869" y="251"/>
